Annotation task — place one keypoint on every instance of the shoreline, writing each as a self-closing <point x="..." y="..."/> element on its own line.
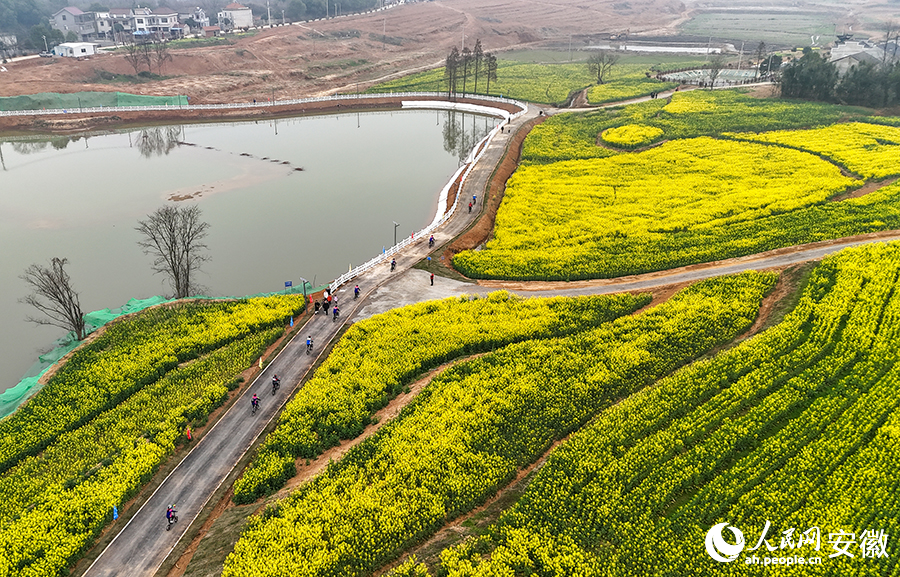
<point x="79" y="122"/>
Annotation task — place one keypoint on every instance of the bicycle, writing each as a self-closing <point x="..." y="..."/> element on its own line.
<point x="309" y="345"/>
<point x="276" y="383"/>
<point x="171" y="518"/>
<point x="254" y="402"/>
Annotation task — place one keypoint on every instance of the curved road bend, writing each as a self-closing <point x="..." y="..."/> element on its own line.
<point x="143" y="544"/>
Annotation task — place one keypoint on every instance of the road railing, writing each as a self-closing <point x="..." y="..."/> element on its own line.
<point x="443" y="214"/>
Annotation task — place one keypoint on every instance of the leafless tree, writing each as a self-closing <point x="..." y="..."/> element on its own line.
<point x="138" y="56"/>
<point x="52" y="294"/>
<point x="174" y="236"/>
<point x="715" y="66"/>
<point x="760" y="54"/>
<point x="161" y="55"/>
<point x="600" y="63"/>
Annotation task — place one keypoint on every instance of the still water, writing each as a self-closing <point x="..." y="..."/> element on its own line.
<point x="80" y="198"/>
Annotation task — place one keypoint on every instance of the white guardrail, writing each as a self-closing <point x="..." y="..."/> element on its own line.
<point x="442" y="214"/>
<point x="240" y="105"/>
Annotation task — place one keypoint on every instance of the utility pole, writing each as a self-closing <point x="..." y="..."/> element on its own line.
<point x="269" y="13"/>
<point x="45" y="44"/>
<point x="741" y="57"/>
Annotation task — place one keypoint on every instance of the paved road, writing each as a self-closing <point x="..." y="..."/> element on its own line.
<point x="413" y="286"/>
<point x="143" y="544"/>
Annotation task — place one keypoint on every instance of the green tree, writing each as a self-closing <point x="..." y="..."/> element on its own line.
<point x="295" y="10"/>
<point x="770" y="64"/>
<point x="36" y="34"/>
<point x="490" y="70"/>
<point x="451" y="70"/>
<point x="98" y="7"/>
<point x="465" y="60"/>
<point x="477" y="61"/>
<point x="71" y="36"/>
<point x="810" y="76"/>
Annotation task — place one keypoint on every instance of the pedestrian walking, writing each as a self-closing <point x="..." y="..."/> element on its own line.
<point x="474" y="199"/>
<point x="393" y="264"/>
<point x="470" y="207"/>
<point x="432" y="279"/>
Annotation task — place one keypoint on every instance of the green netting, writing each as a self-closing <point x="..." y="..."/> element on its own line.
<point x="75" y="100"/>
<point x="11" y="398"/>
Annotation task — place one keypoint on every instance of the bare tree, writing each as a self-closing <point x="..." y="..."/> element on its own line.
<point x="715" y="66"/>
<point x="52" y="294"/>
<point x="600" y="63"/>
<point x="161" y="55"/>
<point x="760" y="54"/>
<point x="174" y="236"/>
<point x="137" y="55"/>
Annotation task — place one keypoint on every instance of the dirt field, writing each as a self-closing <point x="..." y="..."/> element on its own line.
<point x="324" y="57"/>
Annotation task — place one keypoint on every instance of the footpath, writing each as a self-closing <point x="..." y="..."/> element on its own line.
<point x="141" y="547"/>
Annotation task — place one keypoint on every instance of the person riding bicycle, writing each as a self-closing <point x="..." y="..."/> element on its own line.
<point x="255" y="401"/>
<point x="431" y="241"/>
<point x="309" y="343"/>
<point x="170" y="514"/>
<point x="276" y="382"/>
<point x="356" y="292"/>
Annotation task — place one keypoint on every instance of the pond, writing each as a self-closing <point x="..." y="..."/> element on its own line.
<point x="288" y="198"/>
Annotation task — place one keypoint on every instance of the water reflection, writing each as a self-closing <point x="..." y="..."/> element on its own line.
<point x="462" y="131"/>
<point x="158" y="141"/>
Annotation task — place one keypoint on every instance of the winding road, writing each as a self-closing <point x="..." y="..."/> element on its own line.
<point x="142" y="546"/>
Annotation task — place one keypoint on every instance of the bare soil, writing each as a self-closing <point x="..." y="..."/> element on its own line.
<point x="323" y="57"/>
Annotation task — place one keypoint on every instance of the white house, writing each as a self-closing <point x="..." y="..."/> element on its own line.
<point x="198" y="15"/>
<point x="235" y="16"/>
<point x="75" y="49"/>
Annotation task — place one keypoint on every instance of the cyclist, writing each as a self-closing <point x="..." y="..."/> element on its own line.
<point x="393" y="264"/>
<point x="255" y="402"/>
<point x="356" y="292"/>
<point x="335" y="312"/>
<point x="276" y="382"/>
<point x="171" y="516"/>
<point x="309" y="344"/>
<point x="431" y="241"/>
